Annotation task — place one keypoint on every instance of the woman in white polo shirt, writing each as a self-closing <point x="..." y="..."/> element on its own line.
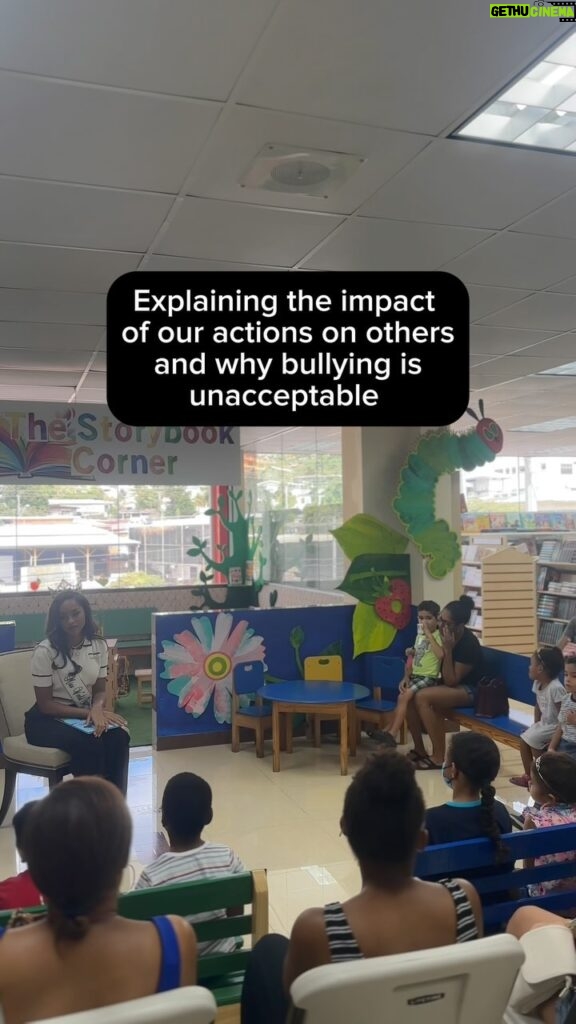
<point x="69" y="669"/>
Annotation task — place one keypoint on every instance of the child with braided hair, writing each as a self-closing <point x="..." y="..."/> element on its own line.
<point x="472" y="763"/>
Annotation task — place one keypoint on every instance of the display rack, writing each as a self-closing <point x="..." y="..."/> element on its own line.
<point x="509" y="600"/>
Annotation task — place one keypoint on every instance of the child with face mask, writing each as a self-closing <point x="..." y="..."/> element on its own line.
<point x="472" y="763"/>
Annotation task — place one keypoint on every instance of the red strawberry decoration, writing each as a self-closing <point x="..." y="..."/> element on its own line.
<point x="395" y="608"/>
<point x="35" y="585"/>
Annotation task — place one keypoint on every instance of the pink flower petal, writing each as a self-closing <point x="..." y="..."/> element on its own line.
<point x="194" y="699"/>
<point x="235" y="639"/>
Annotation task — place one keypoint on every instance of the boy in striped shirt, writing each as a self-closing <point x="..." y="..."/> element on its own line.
<point x="186" y="811"/>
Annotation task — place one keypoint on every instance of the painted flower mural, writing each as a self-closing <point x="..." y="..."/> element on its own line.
<point x="200" y="662"/>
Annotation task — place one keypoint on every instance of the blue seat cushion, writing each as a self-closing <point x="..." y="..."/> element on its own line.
<point x="256" y="711"/>
<point x="515" y="724"/>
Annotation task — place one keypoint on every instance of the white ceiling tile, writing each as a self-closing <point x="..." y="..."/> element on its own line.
<point x="472" y="184"/>
<point x="50" y="378"/>
<point x="52" y="307"/>
<point x="567" y="287"/>
<point x="386" y="64"/>
<point x="79" y="215"/>
<point x="69" y="132"/>
<point x="137" y="44"/>
<point x="517" y="261"/>
<point x="49" y="336"/>
<point x="46" y="267"/>
<point x="487" y="300"/>
<point x="35" y="393"/>
<point x="545" y="311"/>
<point x="91" y="396"/>
<point x="557" y="350"/>
<point x="364" y="244"/>
<point x="557" y="218"/>
<point x="207" y="229"/>
<point x="34" y="359"/>
<point x="239" y="138"/>
<point x="199" y="266"/>
<point x="499" y="341"/>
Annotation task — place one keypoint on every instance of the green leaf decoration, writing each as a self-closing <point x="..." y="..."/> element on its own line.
<point x="363" y="534"/>
<point x="369" y="576"/>
<point x="297" y="637"/>
<point x="370" y="633"/>
<point x="334" y="648"/>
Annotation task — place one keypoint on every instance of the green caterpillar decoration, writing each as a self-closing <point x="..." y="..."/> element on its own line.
<point x="441" y="452"/>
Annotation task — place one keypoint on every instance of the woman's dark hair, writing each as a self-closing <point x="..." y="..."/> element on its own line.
<point x="460" y="610"/>
<point x="19" y="824"/>
<point x="557" y="773"/>
<point x="551" y="659"/>
<point x="186" y="807"/>
<point x="78" y="843"/>
<point x="384" y="810"/>
<point x="54" y="631"/>
<point x="429" y="606"/>
<point x="478" y="758"/>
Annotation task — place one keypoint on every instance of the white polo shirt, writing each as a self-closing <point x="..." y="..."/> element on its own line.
<point x="92" y="657"/>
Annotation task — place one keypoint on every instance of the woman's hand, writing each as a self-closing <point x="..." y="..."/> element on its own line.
<point x="409" y="652"/>
<point x="448" y="637"/>
<point x="101" y="719"/>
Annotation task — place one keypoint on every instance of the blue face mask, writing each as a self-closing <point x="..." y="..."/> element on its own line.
<point x="449" y="782"/>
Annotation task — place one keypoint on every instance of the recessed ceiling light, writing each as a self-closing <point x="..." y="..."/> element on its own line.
<point x="537" y="110"/>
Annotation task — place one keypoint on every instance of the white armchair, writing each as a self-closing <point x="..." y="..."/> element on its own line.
<point x="16" y="696"/>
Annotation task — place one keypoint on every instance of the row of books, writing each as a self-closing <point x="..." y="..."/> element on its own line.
<point x="476" y="522"/>
<point x="558" y="551"/>
<point x="550" y="633"/>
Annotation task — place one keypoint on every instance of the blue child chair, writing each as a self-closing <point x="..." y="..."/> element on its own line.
<point x="388" y="673"/>
<point x="247" y="679"/>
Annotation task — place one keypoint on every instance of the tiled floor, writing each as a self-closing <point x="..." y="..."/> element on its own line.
<point x="286" y="822"/>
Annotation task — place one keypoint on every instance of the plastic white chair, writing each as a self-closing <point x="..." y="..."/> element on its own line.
<point x="468" y="983"/>
<point x="189" y="1005"/>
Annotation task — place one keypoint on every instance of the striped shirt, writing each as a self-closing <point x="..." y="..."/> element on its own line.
<point x="211" y="860"/>
<point x="344" y="946"/>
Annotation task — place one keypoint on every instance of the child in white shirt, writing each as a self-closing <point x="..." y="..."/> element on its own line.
<point x="545" y="667"/>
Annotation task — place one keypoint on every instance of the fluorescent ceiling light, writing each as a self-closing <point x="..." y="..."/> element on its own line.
<point x="538" y="109"/>
<point x="566" y="370"/>
<point x="547" y="427"/>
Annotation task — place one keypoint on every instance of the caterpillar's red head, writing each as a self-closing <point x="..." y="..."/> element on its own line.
<point x="487" y="429"/>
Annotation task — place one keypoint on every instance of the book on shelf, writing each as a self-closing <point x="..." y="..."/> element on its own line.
<point x="472" y="576"/>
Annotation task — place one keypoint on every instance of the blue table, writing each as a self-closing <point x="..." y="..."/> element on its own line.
<point x="332" y="700"/>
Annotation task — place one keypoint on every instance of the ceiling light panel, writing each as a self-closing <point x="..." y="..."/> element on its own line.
<point x="538" y="110"/>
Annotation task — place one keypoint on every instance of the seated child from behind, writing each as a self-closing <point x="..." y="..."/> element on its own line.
<point x="186" y="811"/>
<point x="19" y="891"/>
<point x="422" y="671"/>
<point x="553" y="787"/>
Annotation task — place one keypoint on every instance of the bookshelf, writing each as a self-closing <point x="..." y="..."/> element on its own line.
<point x="556" y="587"/>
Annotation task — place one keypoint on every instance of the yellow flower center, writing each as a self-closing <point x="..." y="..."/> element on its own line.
<point x="217" y="666"/>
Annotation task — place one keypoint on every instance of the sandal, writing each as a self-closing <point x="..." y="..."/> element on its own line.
<point x="520" y="780"/>
<point x="415" y="757"/>
<point x="426" y="764"/>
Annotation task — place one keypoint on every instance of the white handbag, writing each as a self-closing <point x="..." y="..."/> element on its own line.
<point x="549" y="968"/>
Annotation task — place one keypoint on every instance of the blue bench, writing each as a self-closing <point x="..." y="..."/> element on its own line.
<point x="507" y="729"/>
<point x="457" y="860"/>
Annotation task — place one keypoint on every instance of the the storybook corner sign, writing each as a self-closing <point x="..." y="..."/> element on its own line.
<point x="86" y="444"/>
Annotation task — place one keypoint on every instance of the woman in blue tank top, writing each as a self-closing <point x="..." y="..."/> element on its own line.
<point x="82" y="954"/>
